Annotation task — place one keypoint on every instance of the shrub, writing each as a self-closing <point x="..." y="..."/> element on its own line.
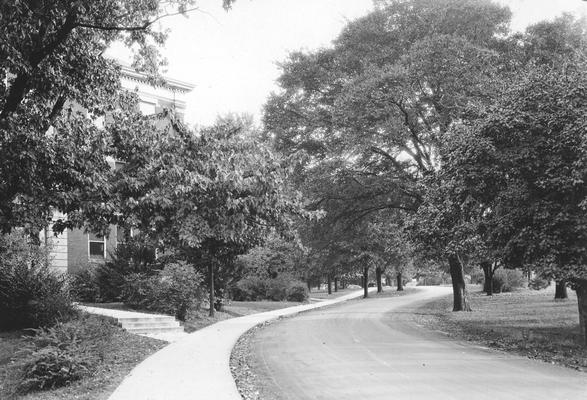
<point x="250" y="289"/>
<point x="175" y="290"/>
<point x="83" y="285"/>
<point x="507" y="280"/>
<point x="278" y="289"/>
<point x="477" y="276"/>
<point x="31" y="295"/>
<point x="297" y="291"/>
<point x="134" y="256"/>
<point x="65" y="352"/>
<point x="180" y="289"/>
<point x="539" y="283"/>
<point x="139" y="290"/>
<point x="433" y="280"/>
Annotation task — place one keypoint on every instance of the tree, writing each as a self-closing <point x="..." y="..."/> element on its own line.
<point x="459" y="205"/>
<point x="209" y="197"/>
<point x="535" y="154"/>
<point x="377" y="104"/>
<point x="55" y="85"/>
<point x="275" y="257"/>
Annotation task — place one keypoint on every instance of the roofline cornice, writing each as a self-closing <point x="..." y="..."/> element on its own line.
<point x="169" y="83"/>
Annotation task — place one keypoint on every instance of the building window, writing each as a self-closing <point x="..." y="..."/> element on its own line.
<point x="96" y="247"/>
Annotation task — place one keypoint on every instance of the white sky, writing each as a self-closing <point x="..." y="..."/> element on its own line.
<point x="232" y="56"/>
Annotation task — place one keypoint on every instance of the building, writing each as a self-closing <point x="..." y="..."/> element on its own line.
<point x="74" y="249"/>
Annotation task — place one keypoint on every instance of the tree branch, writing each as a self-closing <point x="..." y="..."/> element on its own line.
<point x="18" y="87"/>
<point x="142" y="27"/>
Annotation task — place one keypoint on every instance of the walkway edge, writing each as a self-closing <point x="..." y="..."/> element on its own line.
<point x="198" y="366"/>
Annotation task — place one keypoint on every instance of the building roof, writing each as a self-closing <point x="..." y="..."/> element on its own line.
<point x="175" y="85"/>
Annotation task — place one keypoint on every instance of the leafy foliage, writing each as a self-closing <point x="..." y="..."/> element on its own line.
<point x="534" y="155"/>
<point x="65" y="353"/>
<point x="281" y="288"/>
<point x="369" y="115"/>
<point x="56" y="89"/>
<point x="538" y="283"/>
<point x="83" y="285"/>
<point x="31" y="295"/>
<point x="174" y="290"/>
<point x="209" y="197"/>
<point x="507" y="280"/>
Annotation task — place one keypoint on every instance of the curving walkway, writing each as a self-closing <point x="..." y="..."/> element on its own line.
<point x="197" y="367"/>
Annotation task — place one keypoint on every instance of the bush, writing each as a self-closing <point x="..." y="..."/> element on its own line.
<point x="277" y="289"/>
<point x="133" y="257"/>
<point x="83" y="285"/>
<point x="433" y="280"/>
<point x="31" y="295"/>
<point x="250" y="289"/>
<point x="538" y="283"/>
<point x="477" y="276"/>
<point x="175" y="290"/>
<point x="507" y="280"/>
<point x="297" y="292"/>
<point x="65" y="352"/>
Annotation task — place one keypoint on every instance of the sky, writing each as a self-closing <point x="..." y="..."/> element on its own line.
<point x="232" y="57"/>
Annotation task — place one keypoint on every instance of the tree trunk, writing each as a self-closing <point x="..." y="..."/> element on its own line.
<point x="378" y="275"/>
<point x="309" y="283"/>
<point x="459" y="288"/>
<point x="329" y="283"/>
<point x="561" y="290"/>
<point x="581" y="290"/>
<point x="387" y="280"/>
<point x="399" y="281"/>
<point x="335" y="284"/>
<point x="365" y="282"/>
<point x="488" y="277"/>
<point x="211" y="273"/>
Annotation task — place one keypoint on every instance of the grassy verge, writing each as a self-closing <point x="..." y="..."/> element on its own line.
<point x="323" y="294"/>
<point x="240" y="308"/>
<point x="200" y="319"/>
<point x="527" y="322"/>
<point x="391" y="292"/>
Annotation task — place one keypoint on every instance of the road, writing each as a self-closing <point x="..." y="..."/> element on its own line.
<point x="370" y="349"/>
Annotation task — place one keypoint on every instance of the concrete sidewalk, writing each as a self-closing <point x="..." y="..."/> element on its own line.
<point x="197" y="367"/>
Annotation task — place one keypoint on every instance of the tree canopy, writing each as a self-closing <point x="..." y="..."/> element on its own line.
<point x="56" y="84"/>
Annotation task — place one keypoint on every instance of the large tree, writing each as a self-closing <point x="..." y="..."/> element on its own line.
<point x="378" y="102"/>
<point x="530" y="149"/>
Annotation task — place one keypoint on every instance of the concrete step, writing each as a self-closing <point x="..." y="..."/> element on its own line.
<point x="155" y="330"/>
<point x="137" y="325"/>
<point x="140" y="323"/>
<point x="154" y="318"/>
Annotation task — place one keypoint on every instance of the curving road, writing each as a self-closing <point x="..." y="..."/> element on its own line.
<point x="369" y="350"/>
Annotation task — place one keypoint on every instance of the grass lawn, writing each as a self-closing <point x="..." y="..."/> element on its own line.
<point x="391" y="291"/>
<point x="526" y="322"/>
<point x="323" y="294"/>
<point x="240" y="308"/>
